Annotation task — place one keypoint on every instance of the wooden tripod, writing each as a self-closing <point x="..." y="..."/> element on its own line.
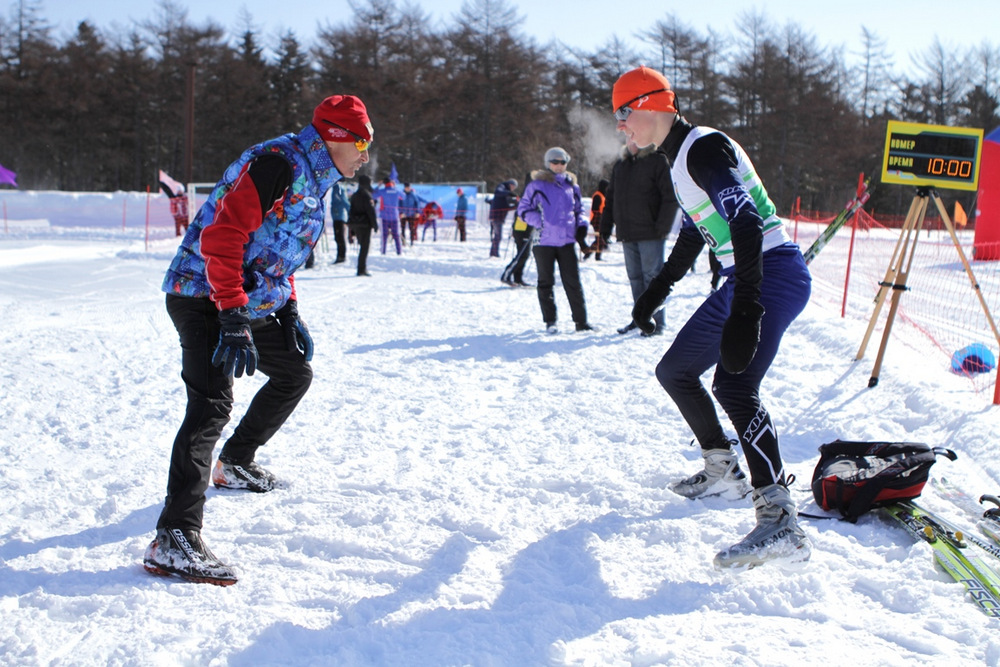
<point x="899" y="270"/>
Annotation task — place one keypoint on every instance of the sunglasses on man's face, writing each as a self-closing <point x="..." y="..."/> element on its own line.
<point x="557" y="161"/>
<point x="624" y="111"/>
<point x="359" y="143"/>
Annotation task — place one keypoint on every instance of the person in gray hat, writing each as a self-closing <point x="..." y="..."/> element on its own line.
<point x="552" y="204"/>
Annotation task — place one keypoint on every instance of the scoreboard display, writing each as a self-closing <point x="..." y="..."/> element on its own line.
<point x="932" y="155"/>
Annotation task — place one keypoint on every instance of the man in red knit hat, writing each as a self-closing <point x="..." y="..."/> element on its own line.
<point x="231" y="296"/>
<point x="738" y="328"/>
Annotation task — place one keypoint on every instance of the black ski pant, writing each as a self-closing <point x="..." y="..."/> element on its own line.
<point x="523" y="241"/>
<point x="546" y="258"/>
<point x="363" y="233"/>
<point x="784" y="293"/>
<point x="338" y="237"/>
<point x="210" y="401"/>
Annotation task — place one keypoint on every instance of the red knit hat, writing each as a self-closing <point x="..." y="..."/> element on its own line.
<point x="340" y="117"/>
<point x="643" y="89"/>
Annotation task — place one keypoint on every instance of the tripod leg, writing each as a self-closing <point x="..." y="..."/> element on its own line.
<point x="898" y="288"/>
<point x="895" y="263"/>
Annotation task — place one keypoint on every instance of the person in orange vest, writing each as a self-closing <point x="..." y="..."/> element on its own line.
<point x="597" y="202"/>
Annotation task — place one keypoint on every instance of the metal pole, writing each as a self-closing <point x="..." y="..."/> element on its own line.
<point x="189" y="124"/>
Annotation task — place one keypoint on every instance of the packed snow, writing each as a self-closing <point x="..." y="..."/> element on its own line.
<point x="462" y="488"/>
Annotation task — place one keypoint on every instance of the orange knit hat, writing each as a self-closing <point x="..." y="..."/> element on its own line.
<point x="643" y="89"/>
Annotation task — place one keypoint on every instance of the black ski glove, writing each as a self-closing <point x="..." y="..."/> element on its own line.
<point x="235" y="351"/>
<point x="581" y="238"/>
<point x="296" y="332"/>
<point x="649" y="301"/>
<point x="740" y="335"/>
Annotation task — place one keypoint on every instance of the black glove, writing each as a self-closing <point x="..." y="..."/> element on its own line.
<point x="235" y="351"/>
<point x="740" y="335"/>
<point x="296" y="332"/>
<point x="581" y="238"/>
<point x="650" y="300"/>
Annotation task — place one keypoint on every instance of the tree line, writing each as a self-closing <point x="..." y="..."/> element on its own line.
<point x="473" y="100"/>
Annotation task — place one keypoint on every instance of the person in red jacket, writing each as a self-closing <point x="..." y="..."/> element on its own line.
<point x="177" y="197"/>
<point x="429" y="217"/>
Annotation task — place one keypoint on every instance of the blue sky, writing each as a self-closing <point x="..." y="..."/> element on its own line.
<point x="909" y="27"/>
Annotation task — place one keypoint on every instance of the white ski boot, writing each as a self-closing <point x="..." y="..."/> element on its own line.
<point x="721" y="477"/>
<point x="777" y="536"/>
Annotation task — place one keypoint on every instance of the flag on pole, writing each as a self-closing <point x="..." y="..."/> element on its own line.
<point x="176" y="187"/>
<point x="961" y="219"/>
<point x="7" y="176"/>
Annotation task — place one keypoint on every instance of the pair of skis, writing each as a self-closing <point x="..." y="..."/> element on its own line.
<point x="987" y="518"/>
<point x="970" y="560"/>
<point x="850" y="209"/>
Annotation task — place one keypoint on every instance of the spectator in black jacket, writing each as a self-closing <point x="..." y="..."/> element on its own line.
<point x="642" y="206"/>
<point x="504" y="201"/>
<point x="361" y="220"/>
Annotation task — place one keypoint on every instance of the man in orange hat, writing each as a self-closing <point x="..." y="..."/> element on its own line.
<point x="738" y="328"/>
<point x="231" y="296"/>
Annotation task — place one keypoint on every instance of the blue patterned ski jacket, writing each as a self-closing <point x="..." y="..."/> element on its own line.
<point x="238" y="254"/>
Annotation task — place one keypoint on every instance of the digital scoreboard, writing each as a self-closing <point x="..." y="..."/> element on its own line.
<point x="932" y="155"/>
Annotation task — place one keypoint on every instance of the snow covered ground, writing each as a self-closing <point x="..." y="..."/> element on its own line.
<point x="463" y="488"/>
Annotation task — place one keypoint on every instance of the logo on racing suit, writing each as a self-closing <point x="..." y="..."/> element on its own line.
<point x="734" y="200"/>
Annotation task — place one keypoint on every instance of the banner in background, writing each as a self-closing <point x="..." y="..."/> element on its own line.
<point x="446" y="197"/>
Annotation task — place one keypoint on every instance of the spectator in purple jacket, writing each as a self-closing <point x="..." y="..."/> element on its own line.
<point x="390" y="201"/>
<point x="552" y="204"/>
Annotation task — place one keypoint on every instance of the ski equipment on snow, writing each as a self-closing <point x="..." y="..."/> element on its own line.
<point x="991" y="518"/>
<point x="964" y="562"/>
<point x="987" y="518"/>
<point x="852" y="477"/>
<point x="850" y="209"/>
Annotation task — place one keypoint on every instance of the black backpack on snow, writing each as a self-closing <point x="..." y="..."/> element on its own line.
<point x="853" y="477"/>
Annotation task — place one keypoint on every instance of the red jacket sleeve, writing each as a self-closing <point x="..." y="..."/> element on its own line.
<point x="240" y="213"/>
